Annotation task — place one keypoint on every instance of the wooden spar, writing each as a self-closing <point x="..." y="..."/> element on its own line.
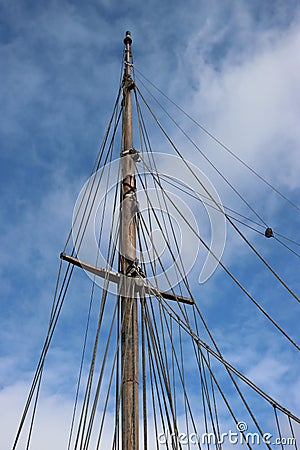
<point x="116" y="277"/>
<point x="103" y="273"/>
<point x="129" y="313"/>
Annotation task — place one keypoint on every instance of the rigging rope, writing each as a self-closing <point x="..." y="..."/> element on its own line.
<point x="212" y="198"/>
<point x="226" y="269"/>
<point x="165" y="366"/>
<point x="55" y="313"/>
<point x="199" y="150"/>
<point x="192" y="193"/>
<point x="218" y="141"/>
<point x="96" y="166"/>
<point x="257" y="424"/>
<point x="223" y="395"/>
<point x="170" y="311"/>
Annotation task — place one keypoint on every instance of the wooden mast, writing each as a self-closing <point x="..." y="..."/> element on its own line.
<point x="130" y="279"/>
<point x="130" y="375"/>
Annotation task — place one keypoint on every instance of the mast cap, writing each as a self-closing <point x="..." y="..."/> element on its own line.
<point x="127" y="39"/>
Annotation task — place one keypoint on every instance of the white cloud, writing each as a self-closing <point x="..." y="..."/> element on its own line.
<point x="252" y="105"/>
<point x="53" y="420"/>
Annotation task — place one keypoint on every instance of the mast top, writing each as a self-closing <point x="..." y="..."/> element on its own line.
<point x="127" y="39"/>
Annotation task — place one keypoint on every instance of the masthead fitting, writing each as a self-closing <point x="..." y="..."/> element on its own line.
<point x="127" y="39"/>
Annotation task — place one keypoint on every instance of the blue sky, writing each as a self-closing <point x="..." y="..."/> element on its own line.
<point x="233" y="65"/>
